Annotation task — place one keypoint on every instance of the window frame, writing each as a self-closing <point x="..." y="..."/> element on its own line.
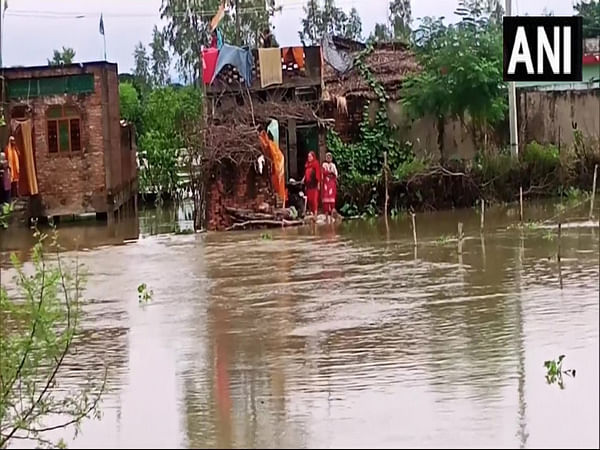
<point x="68" y="113"/>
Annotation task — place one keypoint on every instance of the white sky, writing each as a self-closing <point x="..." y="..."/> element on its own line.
<point x="31" y="28"/>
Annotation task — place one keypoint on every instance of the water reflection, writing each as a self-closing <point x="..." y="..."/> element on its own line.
<point x="340" y="336"/>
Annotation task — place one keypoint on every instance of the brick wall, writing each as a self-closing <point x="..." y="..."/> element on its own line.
<point x="76" y="182"/>
<point x="236" y="187"/>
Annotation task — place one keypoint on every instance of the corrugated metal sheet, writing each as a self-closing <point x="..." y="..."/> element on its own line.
<point x="47" y="86"/>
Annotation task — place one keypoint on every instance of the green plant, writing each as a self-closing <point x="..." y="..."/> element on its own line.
<point x="555" y="372"/>
<point x="444" y="239"/>
<point x="144" y="295"/>
<point x="408" y="168"/>
<point x="5" y="211"/>
<point x="40" y="325"/>
<point x="266" y="236"/>
<point x="548" y="235"/>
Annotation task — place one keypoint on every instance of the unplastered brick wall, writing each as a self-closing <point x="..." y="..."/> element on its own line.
<point x="236" y="187"/>
<point x="76" y="182"/>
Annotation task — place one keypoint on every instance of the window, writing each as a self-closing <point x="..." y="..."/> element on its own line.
<point x="64" y="132"/>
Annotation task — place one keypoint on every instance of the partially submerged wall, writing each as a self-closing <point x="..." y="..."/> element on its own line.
<point x="235" y="187"/>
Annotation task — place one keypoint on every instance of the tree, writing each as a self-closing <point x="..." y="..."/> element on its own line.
<point x="311" y="23"/>
<point x="328" y="20"/>
<point x="461" y="71"/>
<point x="161" y="59"/>
<point x="161" y="139"/>
<point x="63" y="57"/>
<point x="590" y="11"/>
<point x="129" y="102"/>
<point x="354" y="26"/>
<point x="187" y="28"/>
<point x="400" y="18"/>
<point x="141" y="69"/>
<point x="40" y="323"/>
<point x="381" y="33"/>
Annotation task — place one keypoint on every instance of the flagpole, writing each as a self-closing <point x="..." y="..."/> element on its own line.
<point x="104" y="37"/>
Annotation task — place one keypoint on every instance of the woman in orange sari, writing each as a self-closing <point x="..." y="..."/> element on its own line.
<point x="312" y="182"/>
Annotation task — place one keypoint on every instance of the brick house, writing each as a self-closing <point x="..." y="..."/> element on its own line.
<point x="76" y="155"/>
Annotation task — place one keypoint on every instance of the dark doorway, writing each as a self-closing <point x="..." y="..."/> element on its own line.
<point x="308" y="141"/>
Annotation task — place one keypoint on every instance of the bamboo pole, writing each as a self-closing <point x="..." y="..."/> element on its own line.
<point x="414" y="227"/>
<point x="460" y="236"/>
<point x="593" y="192"/>
<point x="521" y="203"/>
<point x="482" y="214"/>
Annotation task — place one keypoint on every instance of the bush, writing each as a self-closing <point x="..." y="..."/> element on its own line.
<point x="409" y="168"/>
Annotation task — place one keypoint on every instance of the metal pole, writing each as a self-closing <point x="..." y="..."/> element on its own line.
<point x="512" y="106"/>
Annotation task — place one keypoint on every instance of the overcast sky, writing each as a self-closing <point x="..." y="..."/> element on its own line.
<point x="33" y="28"/>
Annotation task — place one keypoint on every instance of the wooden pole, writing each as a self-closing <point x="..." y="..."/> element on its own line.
<point x="593" y="192"/>
<point x="414" y="227"/>
<point x="460" y="236"/>
<point x="482" y="214"/>
<point x="558" y="257"/>
<point x="385" y="172"/>
<point x="521" y="203"/>
<point x="559" y="234"/>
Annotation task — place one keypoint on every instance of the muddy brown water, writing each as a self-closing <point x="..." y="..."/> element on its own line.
<point x="339" y="335"/>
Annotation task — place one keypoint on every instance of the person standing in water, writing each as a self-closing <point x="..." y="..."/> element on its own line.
<point x="312" y="182"/>
<point x="12" y="155"/>
<point x="330" y="176"/>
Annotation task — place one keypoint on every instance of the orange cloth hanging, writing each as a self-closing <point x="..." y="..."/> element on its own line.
<point x="272" y="151"/>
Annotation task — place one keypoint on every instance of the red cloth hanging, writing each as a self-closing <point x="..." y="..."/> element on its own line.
<point x="209" y="64"/>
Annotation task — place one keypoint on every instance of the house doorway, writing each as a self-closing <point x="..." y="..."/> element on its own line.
<point x="307" y="138"/>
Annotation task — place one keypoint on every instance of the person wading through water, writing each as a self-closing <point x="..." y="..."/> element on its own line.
<point x="312" y="181"/>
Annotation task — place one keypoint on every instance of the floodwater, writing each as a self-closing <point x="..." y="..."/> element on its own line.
<point x="340" y="336"/>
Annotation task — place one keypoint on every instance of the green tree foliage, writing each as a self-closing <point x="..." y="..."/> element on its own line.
<point x="187" y="28"/>
<point x="62" y="57"/>
<point x="590" y="11"/>
<point x="129" y="101"/>
<point x="461" y="70"/>
<point x="400" y="18"/>
<point x="353" y="28"/>
<point x="40" y="323"/>
<point x="328" y="19"/>
<point x="381" y="33"/>
<point x="160" y="58"/>
<point x="141" y="68"/>
<point x="161" y="140"/>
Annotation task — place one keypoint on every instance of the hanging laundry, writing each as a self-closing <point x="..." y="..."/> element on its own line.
<point x="28" y="159"/>
<point x="293" y="56"/>
<point x="271" y="149"/>
<point x="270" y="66"/>
<point x="240" y="58"/>
<point x="217" y="40"/>
<point x="273" y="128"/>
<point x="214" y="23"/>
<point x="209" y="63"/>
<point x="341" y="61"/>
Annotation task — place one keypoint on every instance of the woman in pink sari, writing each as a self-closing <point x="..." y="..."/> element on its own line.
<point x="330" y="176"/>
